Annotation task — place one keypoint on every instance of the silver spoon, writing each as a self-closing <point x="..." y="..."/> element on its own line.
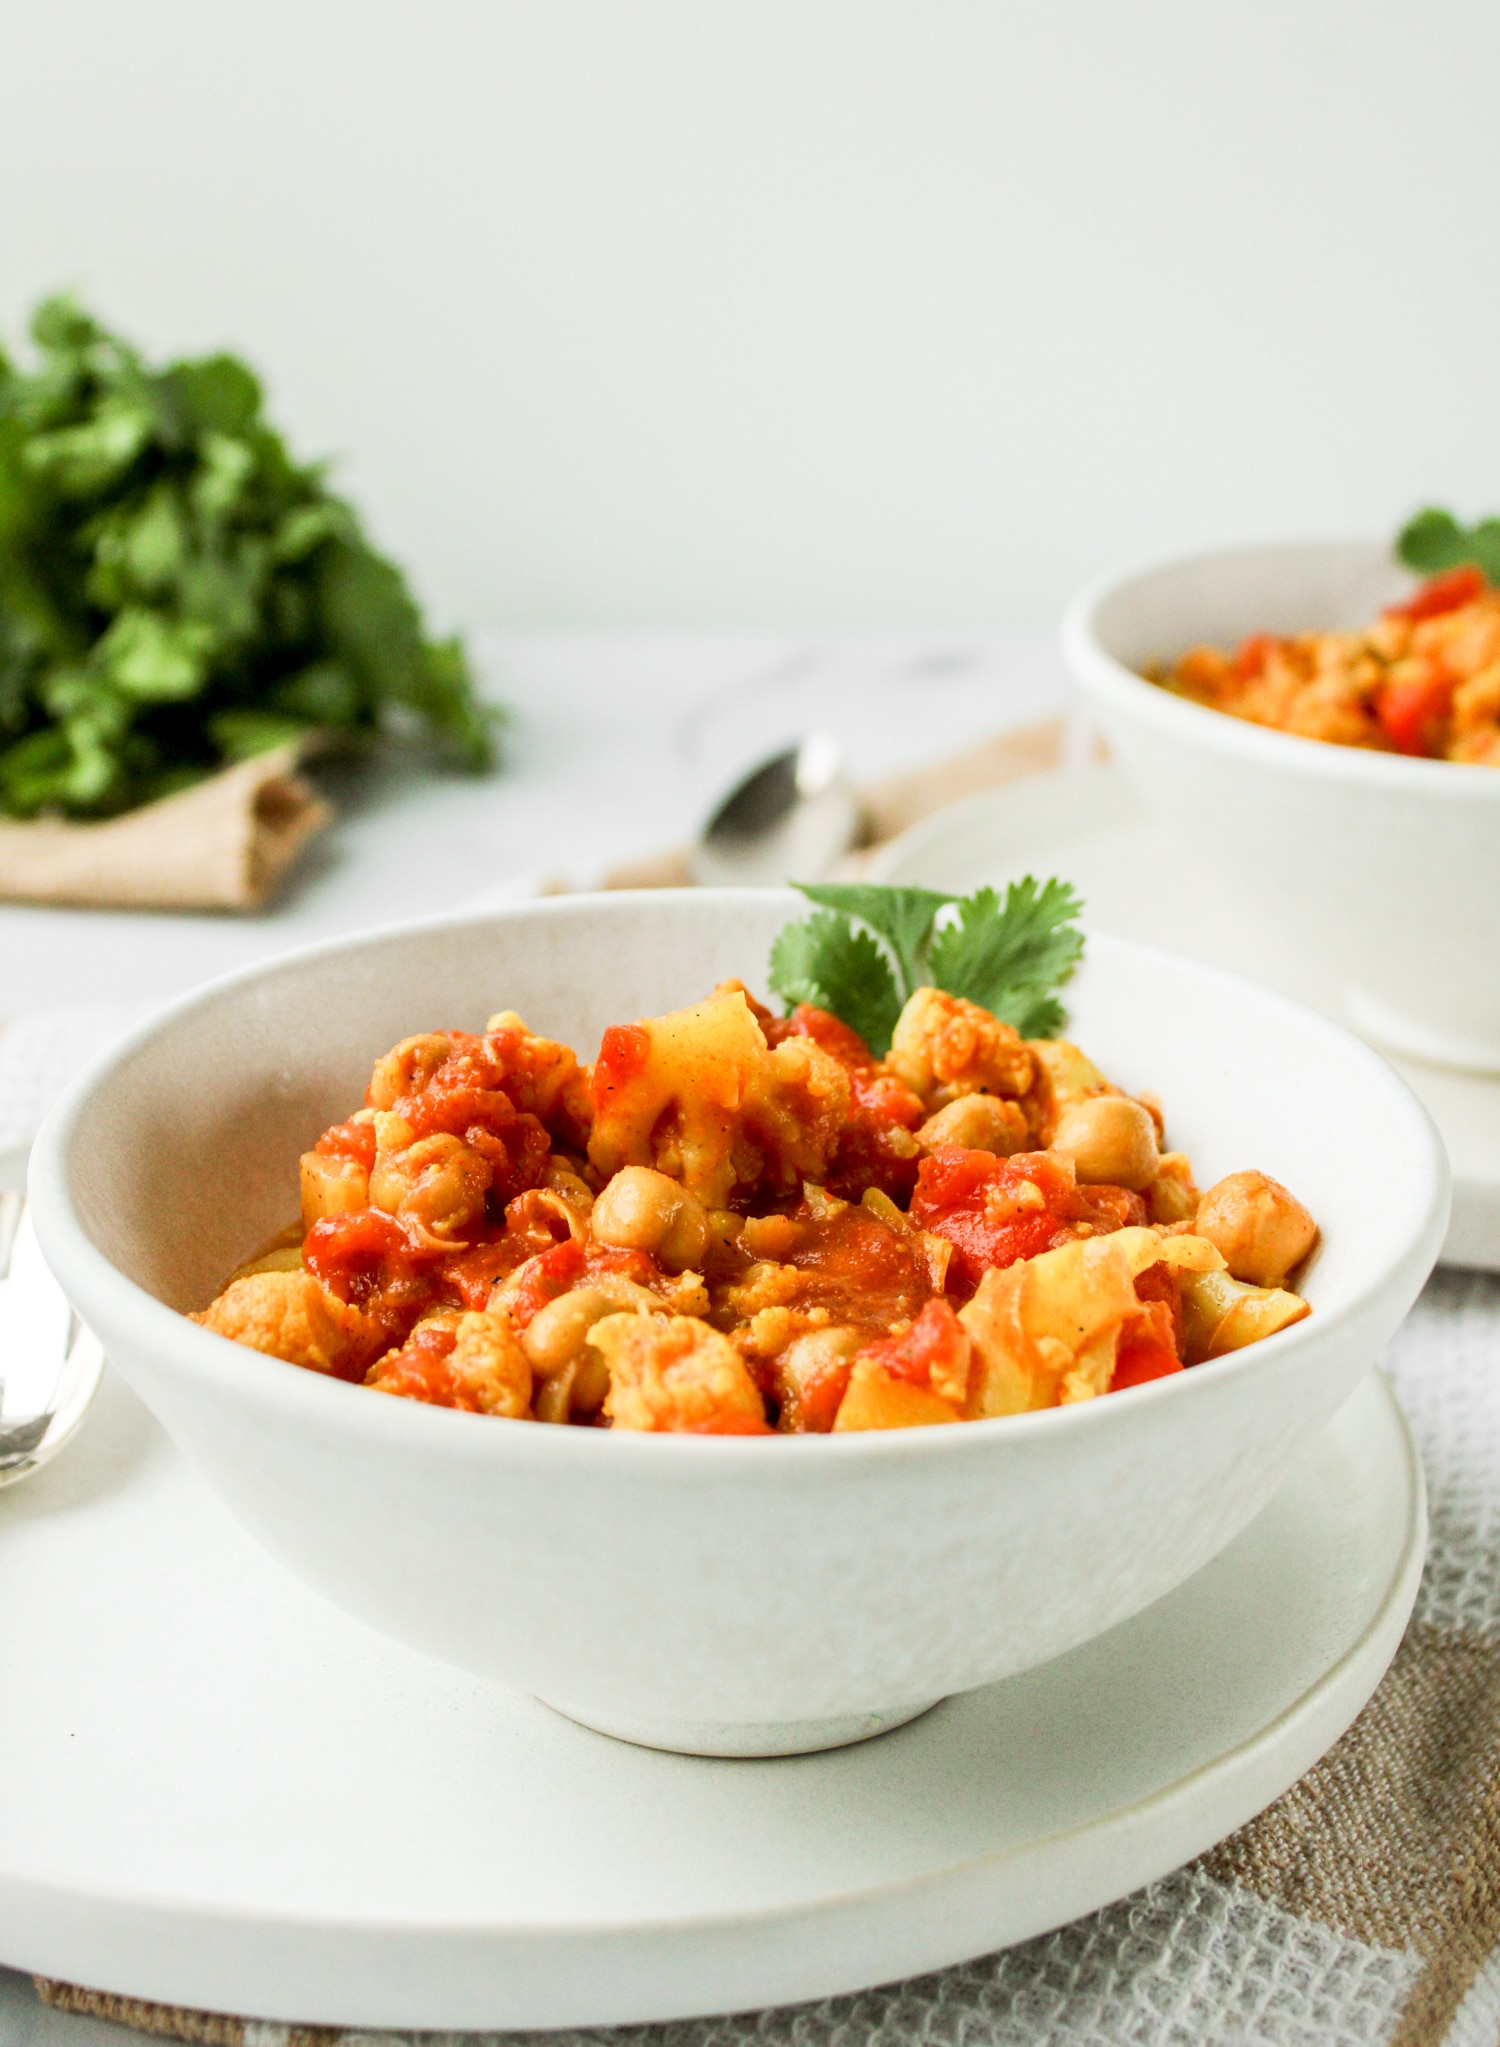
<point x="50" y="1365"/>
<point x="791" y="818"/>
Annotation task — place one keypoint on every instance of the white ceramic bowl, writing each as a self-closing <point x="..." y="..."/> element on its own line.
<point x="733" y="1596"/>
<point x="1385" y="869"/>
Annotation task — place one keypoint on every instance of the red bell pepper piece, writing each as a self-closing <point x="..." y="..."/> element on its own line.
<point x="1448" y="592"/>
<point x="1412" y="713"/>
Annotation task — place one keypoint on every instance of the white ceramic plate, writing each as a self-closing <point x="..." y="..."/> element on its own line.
<point x="1140" y="881"/>
<point x="226" y="1794"/>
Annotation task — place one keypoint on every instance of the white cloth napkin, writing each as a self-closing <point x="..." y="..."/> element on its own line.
<point x="39" y="1054"/>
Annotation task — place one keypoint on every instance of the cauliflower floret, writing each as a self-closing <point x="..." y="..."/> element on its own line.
<point x="468" y="1361"/>
<point x="542" y="1076"/>
<point x="796" y="1106"/>
<point x="944" y="1047"/>
<point x="672" y="1372"/>
<point x="288" y="1315"/>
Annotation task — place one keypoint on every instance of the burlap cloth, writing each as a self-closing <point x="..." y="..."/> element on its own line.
<point x="224" y="844"/>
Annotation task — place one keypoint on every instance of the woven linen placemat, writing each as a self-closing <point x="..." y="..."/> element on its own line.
<point x="1362" y="1909"/>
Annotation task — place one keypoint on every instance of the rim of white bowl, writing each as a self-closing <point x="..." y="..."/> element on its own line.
<point x="1102" y="672"/>
<point x="84" y="1271"/>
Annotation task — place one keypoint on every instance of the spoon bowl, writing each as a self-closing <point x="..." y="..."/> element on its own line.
<point x="792" y="816"/>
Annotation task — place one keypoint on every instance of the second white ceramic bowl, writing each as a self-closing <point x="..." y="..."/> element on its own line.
<point x="733" y="1596"/>
<point x="1386" y="869"/>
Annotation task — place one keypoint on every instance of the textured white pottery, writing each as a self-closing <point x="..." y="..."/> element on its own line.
<point x="1385" y="869"/>
<point x="727" y="1596"/>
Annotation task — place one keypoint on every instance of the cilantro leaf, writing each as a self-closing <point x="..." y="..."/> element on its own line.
<point x="865" y="951"/>
<point x="833" y="964"/>
<point x="901" y="916"/>
<point x="177" y="590"/>
<point x="1008" y="956"/>
<point x="1433" y="540"/>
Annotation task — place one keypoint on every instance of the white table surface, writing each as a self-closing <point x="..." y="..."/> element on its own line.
<point x="617" y="748"/>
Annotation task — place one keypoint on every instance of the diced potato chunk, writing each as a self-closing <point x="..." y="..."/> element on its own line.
<point x="875" y="1399"/>
<point x="1046" y="1330"/>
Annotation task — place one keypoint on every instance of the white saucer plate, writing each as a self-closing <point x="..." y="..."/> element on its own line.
<point x="1139" y="880"/>
<point x="223" y="1793"/>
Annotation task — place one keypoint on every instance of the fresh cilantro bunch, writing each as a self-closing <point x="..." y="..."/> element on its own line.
<point x="1434" y="540"/>
<point x="867" y="948"/>
<point x="176" y="592"/>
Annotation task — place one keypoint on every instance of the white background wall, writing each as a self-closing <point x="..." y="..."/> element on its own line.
<point x="795" y="312"/>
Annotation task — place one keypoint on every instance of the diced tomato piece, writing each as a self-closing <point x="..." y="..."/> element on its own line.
<point x="617" y="1263"/>
<point x="994" y="1211"/>
<point x="419" y="1370"/>
<point x="811" y="1406"/>
<point x="934" y="1351"/>
<point x="473" y="1274"/>
<point x="729" y="1423"/>
<point x="1148" y="1348"/>
<point x="1253" y="655"/>
<point x="1412" y="713"/>
<point x="1160" y="1284"/>
<point x="516" y="1161"/>
<point x="349" y="1140"/>
<point x="551" y="1273"/>
<point x="623" y="1053"/>
<point x="831" y="1032"/>
<point x="884" y="1100"/>
<point x="363" y="1253"/>
<point x="1448" y="592"/>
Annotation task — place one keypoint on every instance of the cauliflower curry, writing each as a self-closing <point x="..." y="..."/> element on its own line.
<point x="734" y="1224"/>
<point x="1423" y="679"/>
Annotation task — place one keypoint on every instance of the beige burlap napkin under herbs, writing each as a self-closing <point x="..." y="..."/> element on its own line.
<point x="1360" y="1910"/>
<point x="223" y="844"/>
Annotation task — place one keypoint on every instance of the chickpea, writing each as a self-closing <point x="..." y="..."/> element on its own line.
<point x="978" y="1123"/>
<point x="436" y="1183"/>
<point x="406" y="1068"/>
<point x="1261" y="1229"/>
<point x="557" y="1335"/>
<point x="562" y="1178"/>
<point x="643" y="1210"/>
<point x="1111" y="1141"/>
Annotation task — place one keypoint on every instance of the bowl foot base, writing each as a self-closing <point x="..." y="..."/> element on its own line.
<point x="744" y="1737"/>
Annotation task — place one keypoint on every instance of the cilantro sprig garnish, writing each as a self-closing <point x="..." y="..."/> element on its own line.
<point x="867" y="948"/>
<point x="1434" y="540"/>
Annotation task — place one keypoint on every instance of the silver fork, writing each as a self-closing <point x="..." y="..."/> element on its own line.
<point x="50" y="1364"/>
